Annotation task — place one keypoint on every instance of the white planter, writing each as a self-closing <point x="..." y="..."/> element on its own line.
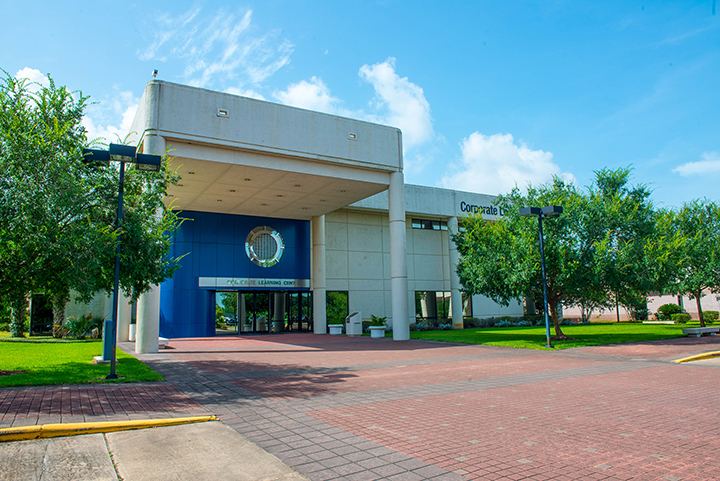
<point x="335" y="329"/>
<point x="132" y="331"/>
<point x="377" y="331"/>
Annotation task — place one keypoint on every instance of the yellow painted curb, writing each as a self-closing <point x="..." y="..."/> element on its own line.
<point x="699" y="357"/>
<point x="71" y="429"/>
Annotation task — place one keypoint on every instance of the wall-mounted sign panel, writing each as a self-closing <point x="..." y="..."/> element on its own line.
<point x="239" y="282"/>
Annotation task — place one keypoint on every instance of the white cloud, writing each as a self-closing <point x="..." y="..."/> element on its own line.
<point x="312" y="95"/>
<point x="495" y="164"/>
<point x="36" y="78"/>
<point x="219" y="49"/>
<point x="709" y="165"/>
<point x="170" y="27"/>
<point x="101" y="119"/>
<point x="398" y="102"/>
<point x="404" y="102"/>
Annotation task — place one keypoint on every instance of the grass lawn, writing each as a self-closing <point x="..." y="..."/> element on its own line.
<point x="65" y="363"/>
<point x="596" y="334"/>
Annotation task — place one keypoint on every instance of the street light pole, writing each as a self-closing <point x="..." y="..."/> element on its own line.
<point x="122" y="154"/>
<point x="116" y="284"/>
<point x="550" y="211"/>
<point x="544" y="281"/>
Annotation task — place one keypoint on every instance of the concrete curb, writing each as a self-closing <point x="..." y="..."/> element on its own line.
<point x="24" y="433"/>
<point x="699" y="357"/>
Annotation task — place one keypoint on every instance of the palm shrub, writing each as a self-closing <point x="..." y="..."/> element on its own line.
<point x="666" y="311"/>
<point x="81" y="327"/>
<point x="680" y="317"/>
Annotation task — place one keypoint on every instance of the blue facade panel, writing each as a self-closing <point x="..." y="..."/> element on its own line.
<point x="213" y="246"/>
<point x="225" y="260"/>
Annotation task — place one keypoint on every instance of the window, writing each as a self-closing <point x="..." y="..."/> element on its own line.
<point x="429" y="224"/>
<point x="336" y="305"/>
<point x="433" y="305"/>
<point x="467" y="305"/>
<point x="437" y="305"/>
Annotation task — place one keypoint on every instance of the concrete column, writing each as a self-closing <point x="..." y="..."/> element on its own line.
<point x="398" y="258"/>
<point x="318" y="275"/>
<point x="124" y="318"/>
<point x="148" y="308"/>
<point x="424" y="307"/>
<point x="455" y="293"/>
<point x="241" y="308"/>
<point x="148" y="321"/>
<point x="279" y="311"/>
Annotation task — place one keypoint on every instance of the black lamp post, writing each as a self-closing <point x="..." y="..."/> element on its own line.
<point x="151" y="163"/>
<point x="547" y="212"/>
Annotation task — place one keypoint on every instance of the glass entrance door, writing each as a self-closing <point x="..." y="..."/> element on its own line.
<point x="254" y="312"/>
<point x="226" y="312"/>
<point x="262" y="312"/>
<point x="299" y="307"/>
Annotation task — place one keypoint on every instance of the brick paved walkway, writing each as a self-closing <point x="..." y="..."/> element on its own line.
<point x="99" y="402"/>
<point x="341" y="408"/>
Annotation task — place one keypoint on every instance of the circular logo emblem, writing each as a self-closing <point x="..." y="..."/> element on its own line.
<point x="264" y="246"/>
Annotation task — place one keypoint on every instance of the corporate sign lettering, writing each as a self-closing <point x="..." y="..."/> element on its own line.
<point x="239" y="282"/>
<point x="482" y="209"/>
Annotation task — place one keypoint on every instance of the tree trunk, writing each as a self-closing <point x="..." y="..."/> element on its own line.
<point x="18" y="305"/>
<point x="58" y="303"/>
<point x="586" y="312"/>
<point x="552" y="306"/>
<point x="700" y="313"/>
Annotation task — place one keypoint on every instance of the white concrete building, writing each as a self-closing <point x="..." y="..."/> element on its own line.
<point x="287" y="208"/>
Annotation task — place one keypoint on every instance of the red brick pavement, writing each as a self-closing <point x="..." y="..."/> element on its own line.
<point x="340" y="408"/>
<point x="281" y="386"/>
<point x="312" y="352"/>
<point x="679" y="347"/>
<point x="651" y="421"/>
<point x="646" y="424"/>
<point x="37" y="405"/>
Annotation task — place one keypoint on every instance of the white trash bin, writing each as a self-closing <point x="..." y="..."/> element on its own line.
<point x="353" y="324"/>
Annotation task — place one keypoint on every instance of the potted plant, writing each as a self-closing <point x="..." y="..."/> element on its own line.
<point x="336" y="329"/>
<point x="377" y="326"/>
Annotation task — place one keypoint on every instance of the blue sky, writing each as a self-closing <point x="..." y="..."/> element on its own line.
<point x="488" y="94"/>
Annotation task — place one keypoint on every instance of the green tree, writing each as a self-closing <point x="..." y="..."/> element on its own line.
<point x="596" y="248"/>
<point x="501" y="259"/>
<point x="624" y="261"/>
<point x="57" y="216"/>
<point x="694" y="231"/>
<point x="44" y="211"/>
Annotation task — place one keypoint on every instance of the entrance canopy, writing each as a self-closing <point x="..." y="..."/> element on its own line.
<point x="239" y="155"/>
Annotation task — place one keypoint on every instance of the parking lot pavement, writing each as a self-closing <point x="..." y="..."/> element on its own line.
<point x="354" y="408"/>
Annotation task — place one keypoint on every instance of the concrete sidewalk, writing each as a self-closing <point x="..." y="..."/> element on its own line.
<point x="199" y="451"/>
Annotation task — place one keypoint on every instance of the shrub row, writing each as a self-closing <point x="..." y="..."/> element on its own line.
<point x="510" y="321"/>
<point x="430" y="325"/>
<point x="668" y="312"/>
